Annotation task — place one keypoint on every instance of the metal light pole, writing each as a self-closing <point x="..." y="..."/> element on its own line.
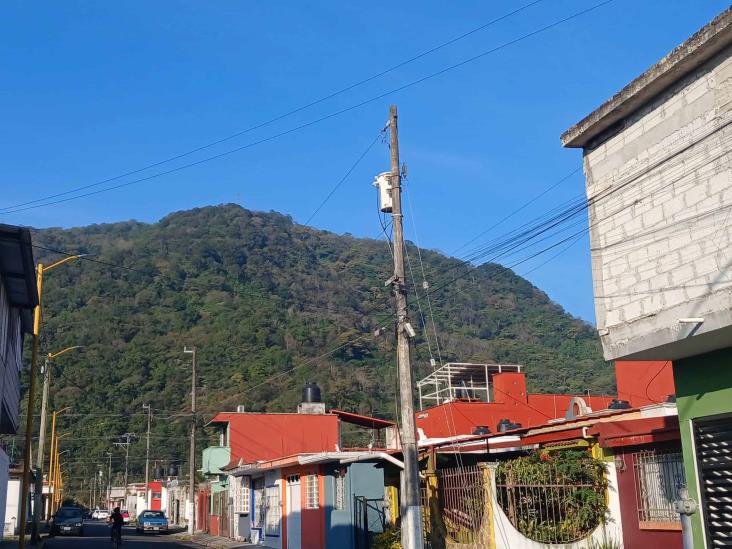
<point x="25" y="488"/>
<point x="192" y="458"/>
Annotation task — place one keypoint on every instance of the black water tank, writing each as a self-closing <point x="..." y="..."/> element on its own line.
<point x="481" y="430"/>
<point x="502" y="426"/>
<point x="311" y="392"/>
<point x="159" y="473"/>
<point x="507" y="425"/>
<point x="618" y="404"/>
<point x="173" y="470"/>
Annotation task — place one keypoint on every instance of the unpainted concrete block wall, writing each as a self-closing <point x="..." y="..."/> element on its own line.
<point x="660" y="192"/>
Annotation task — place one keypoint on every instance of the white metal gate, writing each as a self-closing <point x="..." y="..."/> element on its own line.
<point x="293" y="512"/>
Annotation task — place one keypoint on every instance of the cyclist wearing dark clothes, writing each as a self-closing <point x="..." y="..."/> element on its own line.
<point x="117" y="521"/>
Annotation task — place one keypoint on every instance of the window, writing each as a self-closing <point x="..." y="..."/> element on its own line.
<point x="259" y="503"/>
<point x="313" y="499"/>
<point x="240" y="486"/>
<point x="657" y="480"/>
<point x="339" y="489"/>
<point x="157" y="495"/>
<point x="273" y="511"/>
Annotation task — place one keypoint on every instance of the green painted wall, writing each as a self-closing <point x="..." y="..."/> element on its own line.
<point x="703" y="388"/>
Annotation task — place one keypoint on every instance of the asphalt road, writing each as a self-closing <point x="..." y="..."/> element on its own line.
<point x="96" y="534"/>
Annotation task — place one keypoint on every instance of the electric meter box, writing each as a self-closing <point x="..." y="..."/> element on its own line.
<point x="383" y="185"/>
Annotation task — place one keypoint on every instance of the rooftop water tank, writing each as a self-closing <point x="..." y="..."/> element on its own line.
<point x="481" y="430"/>
<point x="311" y="392"/>
<point x="159" y="472"/>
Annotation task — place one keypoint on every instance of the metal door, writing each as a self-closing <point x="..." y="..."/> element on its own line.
<point x="713" y="439"/>
<point x="293" y="512"/>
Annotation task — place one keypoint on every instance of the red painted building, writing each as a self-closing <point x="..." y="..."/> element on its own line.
<point x="156" y="495"/>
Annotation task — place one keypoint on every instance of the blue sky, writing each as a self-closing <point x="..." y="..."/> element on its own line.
<point x="93" y="90"/>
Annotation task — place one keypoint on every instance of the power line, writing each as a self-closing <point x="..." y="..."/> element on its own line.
<point x="293" y="111"/>
<point x="46" y="201"/>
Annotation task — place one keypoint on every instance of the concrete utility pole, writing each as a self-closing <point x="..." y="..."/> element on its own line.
<point x="109" y="478"/>
<point x="412" y="536"/>
<point x="126" y="444"/>
<point x="192" y="458"/>
<point x="147" y="449"/>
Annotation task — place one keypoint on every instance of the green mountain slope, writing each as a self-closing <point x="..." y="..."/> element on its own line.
<point x="258" y="296"/>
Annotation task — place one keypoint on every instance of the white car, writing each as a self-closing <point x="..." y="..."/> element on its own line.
<point x="100" y="514"/>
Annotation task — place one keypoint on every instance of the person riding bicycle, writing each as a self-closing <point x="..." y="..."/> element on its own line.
<point x="117" y="521"/>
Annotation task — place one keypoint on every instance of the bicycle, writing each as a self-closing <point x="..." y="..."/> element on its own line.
<point x="116" y="536"/>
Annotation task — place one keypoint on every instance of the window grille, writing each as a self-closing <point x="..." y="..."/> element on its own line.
<point x="273" y="511"/>
<point x="313" y="499"/>
<point x="259" y="503"/>
<point x="340" y="491"/>
<point x="657" y="480"/>
<point x="241" y="494"/>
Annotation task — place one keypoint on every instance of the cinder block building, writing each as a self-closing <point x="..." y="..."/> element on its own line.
<point x="656" y="159"/>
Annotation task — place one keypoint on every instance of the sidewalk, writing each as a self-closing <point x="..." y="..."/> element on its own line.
<point x="11" y="542"/>
<point x="204" y="540"/>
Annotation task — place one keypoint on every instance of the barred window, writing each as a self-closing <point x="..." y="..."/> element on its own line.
<point x="241" y="494"/>
<point x="273" y="511"/>
<point x="313" y="499"/>
<point x="339" y="496"/>
<point x="657" y="480"/>
<point x="259" y="503"/>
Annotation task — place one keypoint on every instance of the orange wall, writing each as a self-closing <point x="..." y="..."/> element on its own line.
<point x="644" y="382"/>
<point x="256" y="437"/>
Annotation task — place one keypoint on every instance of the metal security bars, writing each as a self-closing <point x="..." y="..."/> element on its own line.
<point x="657" y="480"/>
<point x="553" y="498"/>
<point x="462" y="499"/>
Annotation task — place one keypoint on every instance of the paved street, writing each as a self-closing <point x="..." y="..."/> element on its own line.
<point x="96" y="534"/>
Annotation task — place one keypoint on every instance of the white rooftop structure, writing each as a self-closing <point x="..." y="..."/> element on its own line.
<point x="459" y="380"/>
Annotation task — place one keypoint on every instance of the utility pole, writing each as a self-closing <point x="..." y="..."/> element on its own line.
<point x="38" y="496"/>
<point x="109" y="478"/>
<point x="126" y="444"/>
<point x="147" y="449"/>
<point x="192" y="458"/>
<point x="412" y="536"/>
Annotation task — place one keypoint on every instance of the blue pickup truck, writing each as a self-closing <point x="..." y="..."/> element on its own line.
<point x="152" y="521"/>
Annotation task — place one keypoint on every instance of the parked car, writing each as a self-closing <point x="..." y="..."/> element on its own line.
<point x="125" y="516"/>
<point x="68" y="520"/>
<point x="152" y="521"/>
<point x="100" y="514"/>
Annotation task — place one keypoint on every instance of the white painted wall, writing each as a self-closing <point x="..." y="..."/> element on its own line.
<point x="661" y="226"/>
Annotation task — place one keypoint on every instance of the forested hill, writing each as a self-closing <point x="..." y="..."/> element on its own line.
<point x="258" y="296"/>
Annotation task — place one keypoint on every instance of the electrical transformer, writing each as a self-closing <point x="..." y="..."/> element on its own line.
<point x="383" y="185"/>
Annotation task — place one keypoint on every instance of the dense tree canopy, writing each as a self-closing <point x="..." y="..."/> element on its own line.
<point x="269" y="304"/>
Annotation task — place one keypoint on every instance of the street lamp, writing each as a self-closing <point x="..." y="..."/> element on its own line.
<point x="42" y="436"/>
<point x="40" y="269"/>
<point x="53" y="453"/>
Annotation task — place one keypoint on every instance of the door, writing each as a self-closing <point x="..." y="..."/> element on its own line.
<point x="713" y="439"/>
<point x="293" y="512"/>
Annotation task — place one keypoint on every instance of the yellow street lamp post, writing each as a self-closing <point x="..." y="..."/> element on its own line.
<point x="38" y="500"/>
<point x="31" y="398"/>
<point x="54" y="450"/>
<point x="54" y="485"/>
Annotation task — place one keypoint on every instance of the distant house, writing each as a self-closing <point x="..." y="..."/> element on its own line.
<point x="465" y="398"/>
<point x="288" y="481"/>
<point x="639" y="443"/>
<point x="18" y="298"/>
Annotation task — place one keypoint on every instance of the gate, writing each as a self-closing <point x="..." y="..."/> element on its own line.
<point x="369" y="519"/>
<point x="713" y="438"/>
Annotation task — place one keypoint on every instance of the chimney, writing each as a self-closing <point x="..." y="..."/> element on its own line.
<point x="311" y="401"/>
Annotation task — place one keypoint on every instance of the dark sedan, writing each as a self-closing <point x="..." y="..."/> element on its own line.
<point x="68" y="520"/>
